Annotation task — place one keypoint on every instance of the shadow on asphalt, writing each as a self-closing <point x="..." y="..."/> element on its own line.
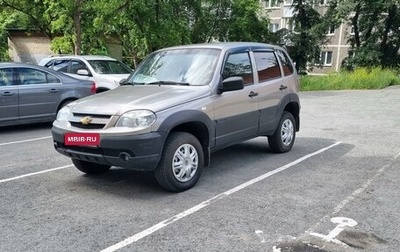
<point x="245" y="160"/>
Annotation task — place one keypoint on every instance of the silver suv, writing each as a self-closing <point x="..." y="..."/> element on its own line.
<point x="105" y="71"/>
<point x="180" y="105"/>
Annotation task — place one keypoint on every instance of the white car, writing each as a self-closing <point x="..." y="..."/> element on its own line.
<point x="105" y="71"/>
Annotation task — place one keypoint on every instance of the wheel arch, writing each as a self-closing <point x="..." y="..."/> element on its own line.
<point x="294" y="108"/>
<point x="194" y="122"/>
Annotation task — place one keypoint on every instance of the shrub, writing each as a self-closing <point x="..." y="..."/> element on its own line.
<point x="361" y="78"/>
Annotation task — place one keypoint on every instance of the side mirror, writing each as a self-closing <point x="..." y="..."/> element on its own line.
<point x="83" y="72"/>
<point x="232" y="84"/>
<point x="122" y="81"/>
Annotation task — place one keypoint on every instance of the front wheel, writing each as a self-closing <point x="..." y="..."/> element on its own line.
<point x="90" y="168"/>
<point x="283" y="138"/>
<point x="181" y="162"/>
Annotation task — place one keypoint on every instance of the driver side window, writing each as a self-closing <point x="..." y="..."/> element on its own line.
<point x="238" y="64"/>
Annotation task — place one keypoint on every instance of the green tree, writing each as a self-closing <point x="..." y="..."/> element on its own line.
<point x="245" y="22"/>
<point x="376" y="32"/>
<point x="305" y="40"/>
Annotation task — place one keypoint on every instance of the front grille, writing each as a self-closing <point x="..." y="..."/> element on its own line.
<point x="88" y="126"/>
<point x="97" y="121"/>
<point x="92" y="115"/>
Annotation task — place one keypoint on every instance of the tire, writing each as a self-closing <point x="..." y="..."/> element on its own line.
<point x="90" y="168"/>
<point x="283" y="138"/>
<point x="181" y="162"/>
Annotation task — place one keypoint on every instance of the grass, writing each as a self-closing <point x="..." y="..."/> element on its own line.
<point x="361" y="78"/>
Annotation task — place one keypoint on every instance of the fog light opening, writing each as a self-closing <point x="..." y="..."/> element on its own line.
<point x="124" y="156"/>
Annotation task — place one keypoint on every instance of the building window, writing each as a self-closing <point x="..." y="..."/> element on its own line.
<point x="331" y="30"/>
<point x="352" y="30"/>
<point x="274" y="27"/>
<point x="326" y="58"/>
<point x="288" y="23"/>
<point x="271" y="4"/>
<point x="288" y="2"/>
<point x="323" y="2"/>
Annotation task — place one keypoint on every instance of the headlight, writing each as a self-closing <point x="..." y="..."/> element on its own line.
<point x="63" y="114"/>
<point x="136" y="119"/>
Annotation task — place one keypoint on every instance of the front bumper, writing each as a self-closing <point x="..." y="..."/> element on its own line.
<point x="137" y="152"/>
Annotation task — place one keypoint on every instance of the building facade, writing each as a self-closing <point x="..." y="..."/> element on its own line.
<point x="333" y="52"/>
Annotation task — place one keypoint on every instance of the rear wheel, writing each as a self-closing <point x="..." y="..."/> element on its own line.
<point x="181" y="162"/>
<point x="90" y="168"/>
<point x="283" y="138"/>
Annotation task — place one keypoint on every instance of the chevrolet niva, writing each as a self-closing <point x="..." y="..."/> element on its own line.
<point x="180" y="105"/>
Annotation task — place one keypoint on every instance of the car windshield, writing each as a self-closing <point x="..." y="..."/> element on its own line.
<point x="109" y="67"/>
<point x="189" y="66"/>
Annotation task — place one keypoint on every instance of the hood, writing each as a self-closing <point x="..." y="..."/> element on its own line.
<point x="113" y="77"/>
<point x="110" y="78"/>
<point x="151" y="97"/>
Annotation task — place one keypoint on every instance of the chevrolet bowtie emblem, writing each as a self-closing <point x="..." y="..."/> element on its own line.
<point x="86" y="120"/>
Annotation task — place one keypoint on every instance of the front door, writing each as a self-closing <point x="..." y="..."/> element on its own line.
<point x="236" y="112"/>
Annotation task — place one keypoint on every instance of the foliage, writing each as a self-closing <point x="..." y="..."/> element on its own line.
<point x="309" y="32"/>
<point x="360" y="78"/>
<point x="142" y="26"/>
<point x="376" y="38"/>
<point x="246" y="23"/>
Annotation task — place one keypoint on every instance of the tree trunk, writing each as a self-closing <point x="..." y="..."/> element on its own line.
<point x="77" y="26"/>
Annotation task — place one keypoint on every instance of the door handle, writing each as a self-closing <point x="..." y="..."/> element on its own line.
<point x="282" y="87"/>
<point x="53" y="90"/>
<point x="7" y="93"/>
<point x="252" y="94"/>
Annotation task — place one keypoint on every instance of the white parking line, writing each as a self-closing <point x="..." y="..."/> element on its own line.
<point x="208" y="202"/>
<point x="34" y="173"/>
<point x="25" y="141"/>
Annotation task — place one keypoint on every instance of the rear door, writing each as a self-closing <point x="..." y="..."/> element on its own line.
<point x="39" y="94"/>
<point x="272" y="89"/>
<point x="236" y="112"/>
<point x="8" y="96"/>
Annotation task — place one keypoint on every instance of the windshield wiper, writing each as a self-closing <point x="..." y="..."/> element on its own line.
<point x="132" y="83"/>
<point x="168" y="83"/>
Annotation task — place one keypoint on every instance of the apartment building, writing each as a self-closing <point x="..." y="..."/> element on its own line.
<point x="333" y="52"/>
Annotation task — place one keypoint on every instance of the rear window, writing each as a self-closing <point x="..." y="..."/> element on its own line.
<point x="286" y="64"/>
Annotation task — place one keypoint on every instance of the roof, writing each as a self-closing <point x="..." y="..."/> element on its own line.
<point x="86" y="57"/>
<point x="226" y="45"/>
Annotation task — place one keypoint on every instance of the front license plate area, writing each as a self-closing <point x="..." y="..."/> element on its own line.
<point x="82" y="139"/>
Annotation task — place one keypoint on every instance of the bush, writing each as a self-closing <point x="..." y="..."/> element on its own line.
<point x="361" y="78"/>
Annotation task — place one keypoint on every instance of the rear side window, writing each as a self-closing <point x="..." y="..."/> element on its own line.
<point x="238" y="64"/>
<point x="267" y="66"/>
<point x="30" y="76"/>
<point x="286" y="64"/>
<point x="6" y="77"/>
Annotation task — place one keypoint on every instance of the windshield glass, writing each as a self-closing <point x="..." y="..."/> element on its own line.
<point x="193" y="66"/>
<point x="109" y="67"/>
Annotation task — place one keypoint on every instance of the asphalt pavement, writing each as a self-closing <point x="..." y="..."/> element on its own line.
<point x="337" y="190"/>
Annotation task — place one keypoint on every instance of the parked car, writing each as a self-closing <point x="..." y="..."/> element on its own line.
<point x="33" y="94"/>
<point x="180" y="105"/>
<point x="105" y="71"/>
